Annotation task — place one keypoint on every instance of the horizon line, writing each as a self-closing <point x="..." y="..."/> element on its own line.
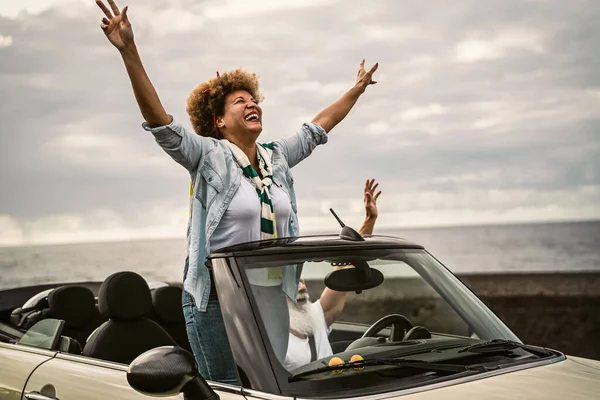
<point x="314" y="232"/>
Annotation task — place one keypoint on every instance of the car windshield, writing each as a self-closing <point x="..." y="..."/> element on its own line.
<point x="429" y="315"/>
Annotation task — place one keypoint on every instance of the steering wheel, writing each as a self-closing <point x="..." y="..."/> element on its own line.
<point x="400" y="325"/>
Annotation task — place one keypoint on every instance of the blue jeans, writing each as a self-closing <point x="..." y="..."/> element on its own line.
<point x="208" y="339"/>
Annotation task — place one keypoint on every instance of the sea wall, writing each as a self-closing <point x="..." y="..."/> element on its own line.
<point x="555" y="310"/>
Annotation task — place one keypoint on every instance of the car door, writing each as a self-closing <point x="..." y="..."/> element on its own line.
<point x="71" y="377"/>
<point x="256" y="395"/>
<point x="16" y="365"/>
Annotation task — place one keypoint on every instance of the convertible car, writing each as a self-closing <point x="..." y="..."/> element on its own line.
<point x="409" y="328"/>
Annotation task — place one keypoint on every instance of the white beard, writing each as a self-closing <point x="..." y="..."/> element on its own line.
<point x="305" y="319"/>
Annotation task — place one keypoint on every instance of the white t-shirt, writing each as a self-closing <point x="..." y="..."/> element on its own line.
<point x="298" y="352"/>
<point x="241" y="221"/>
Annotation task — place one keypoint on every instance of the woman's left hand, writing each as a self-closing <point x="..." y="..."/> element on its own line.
<point x="364" y="78"/>
<point x="336" y="112"/>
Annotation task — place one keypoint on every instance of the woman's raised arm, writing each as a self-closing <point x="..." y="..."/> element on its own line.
<point x="184" y="147"/>
<point x="336" y="112"/>
<point x="117" y="28"/>
<point x="299" y="146"/>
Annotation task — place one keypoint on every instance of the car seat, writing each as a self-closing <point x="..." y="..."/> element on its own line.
<point x="77" y="307"/>
<point x="168" y="312"/>
<point x="25" y="317"/>
<point x="125" y="299"/>
<point x="72" y="303"/>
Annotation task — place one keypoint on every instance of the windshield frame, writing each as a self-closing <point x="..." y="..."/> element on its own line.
<point x="434" y="272"/>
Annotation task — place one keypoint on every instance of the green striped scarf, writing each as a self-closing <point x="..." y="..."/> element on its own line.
<point x="268" y="227"/>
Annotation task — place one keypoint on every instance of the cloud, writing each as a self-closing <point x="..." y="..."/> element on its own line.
<point x="482" y="112"/>
<point x="11" y="233"/>
<point x="152" y="219"/>
<point x="22" y="8"/>
<point x="229" y="9"/>
<point x="5" y="41"/>
<point x="429" y="110"/>
<point x="473" y="50"/>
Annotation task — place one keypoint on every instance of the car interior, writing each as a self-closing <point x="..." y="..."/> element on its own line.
<point x="124" y="319"/>
<point x="119" y="319"/>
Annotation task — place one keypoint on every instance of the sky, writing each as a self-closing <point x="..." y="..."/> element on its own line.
<point x="484" y="112"/>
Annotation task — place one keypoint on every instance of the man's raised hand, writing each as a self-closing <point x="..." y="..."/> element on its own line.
<point x="370" y="198"/>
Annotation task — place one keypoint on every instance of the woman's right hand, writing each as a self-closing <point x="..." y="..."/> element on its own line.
<point x="116" y="25"/>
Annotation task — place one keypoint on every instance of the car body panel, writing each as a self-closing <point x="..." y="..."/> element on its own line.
<point x="16" y="365"/>
<point x="77" y="377"/>
<point x="256" y="395"/>
<point x="568" y="379"/>
<point x="587" y="362"/>
<point x="73" y="379"/>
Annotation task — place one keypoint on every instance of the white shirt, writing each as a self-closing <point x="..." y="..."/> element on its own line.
<point x="241" y="221"/>
<point x="298" y="352"/>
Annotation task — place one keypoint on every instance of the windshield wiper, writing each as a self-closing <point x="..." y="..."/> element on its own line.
<point x="503" y="345"/>
<point x="395" y="362"/>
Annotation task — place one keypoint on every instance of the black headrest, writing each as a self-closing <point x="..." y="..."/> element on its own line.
<point x="166" y="301"/>
<point x="124" y="296"/>
<point x="74" y="304"/>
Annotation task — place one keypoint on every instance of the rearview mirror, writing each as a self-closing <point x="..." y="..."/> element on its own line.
<point x="168" y="371"/>
<point x="357" y="279"/>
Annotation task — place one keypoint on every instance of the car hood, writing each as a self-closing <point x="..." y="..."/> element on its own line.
<point x="573" y="378"/>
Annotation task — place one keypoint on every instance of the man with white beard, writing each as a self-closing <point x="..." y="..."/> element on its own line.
<point x="310" y="322"/>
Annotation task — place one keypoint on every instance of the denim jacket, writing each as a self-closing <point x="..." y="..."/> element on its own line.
<point x="215" y="179"/>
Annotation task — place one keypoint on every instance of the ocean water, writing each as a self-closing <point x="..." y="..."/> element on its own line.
<point x="479" y="249"/>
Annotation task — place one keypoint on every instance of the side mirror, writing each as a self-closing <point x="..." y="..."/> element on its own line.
<point x="168" y="371"/>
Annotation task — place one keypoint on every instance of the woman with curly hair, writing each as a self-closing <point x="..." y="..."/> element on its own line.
<point x="241" y="190"/>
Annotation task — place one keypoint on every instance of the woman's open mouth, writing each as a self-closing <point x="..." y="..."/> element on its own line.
<point x="252" y="117"/>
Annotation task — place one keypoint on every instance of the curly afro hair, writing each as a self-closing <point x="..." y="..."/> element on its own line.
<point x="207" y="100"/>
